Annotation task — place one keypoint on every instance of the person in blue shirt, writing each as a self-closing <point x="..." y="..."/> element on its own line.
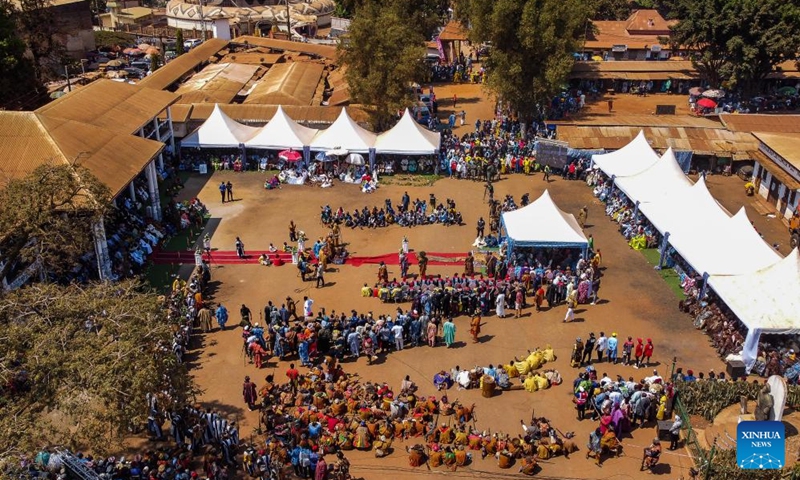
<point x="222" y="316"/>
<point x="612" y="348"/>
<point x="222" y="190"/>
<point x="689" y="376"/>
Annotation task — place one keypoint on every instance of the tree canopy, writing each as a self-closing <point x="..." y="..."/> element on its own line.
<point x="47" y="215"/>
<point x="77" y="362"/>
<point x="532" y="46"/>
<point x="19" y="87"/>
<point x="383" y="55"/>
<point x="737" y="42"/>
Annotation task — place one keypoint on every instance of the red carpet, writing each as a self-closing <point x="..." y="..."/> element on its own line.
<point x="162" y="257"/>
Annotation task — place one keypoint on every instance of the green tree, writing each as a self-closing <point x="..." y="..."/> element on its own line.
<point x="155" y="62"/>
<point x="383" y="56"/>
<point x="40" y="29"/>
<point x="533" y="42"/>
<point x="613" y="9"/>
<point x="19" y="87"/>
<point x="47" y="215"/>
<point x="738" y="42"/>
<point x="76" y="364"/>
<point x="179" y="48"/>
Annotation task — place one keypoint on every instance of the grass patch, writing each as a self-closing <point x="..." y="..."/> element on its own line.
<point x="652" y="255"/>
<point x="185" y="237"/>
<point x="160" y="276"/>
<point x="405" y="180"/>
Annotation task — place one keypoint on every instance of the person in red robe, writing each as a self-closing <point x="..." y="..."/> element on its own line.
<point x="249" y="393"/>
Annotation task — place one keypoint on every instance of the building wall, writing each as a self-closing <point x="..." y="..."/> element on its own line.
<point x="74" y="22"/>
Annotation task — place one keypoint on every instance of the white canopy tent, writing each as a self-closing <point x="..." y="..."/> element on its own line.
<point x="687" y="212"/>
<point x="633" y="158"/>
<point x="664" y="178"/>
<point x="706" y="236"/>
<point x="543" y="224"/>
<point x="281" y="133"/>
<point x="766" y="301"/>
<point x="408" y="138"/>
<point x="219" y="131"/>
<point x="344" y="133"/>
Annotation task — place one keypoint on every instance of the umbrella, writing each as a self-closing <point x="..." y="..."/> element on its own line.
<point x="338" y="151"/>
<point x="696" y="91"/>
<point x="355" y="159"/>
<point x="707" y="103"/>
<point x="132" y="51"/>
<point x="714" y="93"/>
<point x="787" y="91"/>
<point x="57" y="94"/>
<point x="153" y="51"/>
<point x="597" y="58"/>
<point x="290" y="155"/>
<point x="324" y="157"/>
<point x="114" y="63"/>
<point x="144" y="46"/>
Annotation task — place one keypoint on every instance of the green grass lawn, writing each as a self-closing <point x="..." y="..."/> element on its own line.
<point x="669" y="275"/>
<point x="160" y="276"/>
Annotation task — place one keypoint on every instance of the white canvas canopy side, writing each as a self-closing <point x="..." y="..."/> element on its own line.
<point x="688" y="211"/>
<point x="663" y="178"/>
<point x="344" y="133"/>
<point x="543" y="224"/>
<point x="706" y="236"/>
<point x="765" y="301"/>
<point x="408" y="138"/>
<point x="281" y="133"/>
<point x="219" y="131"/>
<point x="633" y="158"/>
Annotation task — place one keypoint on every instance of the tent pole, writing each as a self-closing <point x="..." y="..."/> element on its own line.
<point x="635" y="210"/>
<point x="702" y="293"/>
<point x="664" y="244"/>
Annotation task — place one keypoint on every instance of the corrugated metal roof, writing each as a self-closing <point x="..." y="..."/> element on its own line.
<point x="24" y="145"/>
<point x="776" y="170"/>
<point x="761" y="123"/>
<point x="217" y="83"/>
<point x="253" y="58"/>
<point x="325" y="51"/>
<point x="261" y="114"/>
<point x="702" y="141"/>
<point x="179" y="111"/>
<point x="641" y="121"/>
<point x="453" y="31"/>
<point x="29" y="139"/>
<point x="787" y="145"/>
<point x="179" y="67"/>
<point x="116" y="106"/>
<point x="287" y="84"/>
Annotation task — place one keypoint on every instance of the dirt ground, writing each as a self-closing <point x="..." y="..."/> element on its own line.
<point x="636" y="302"/>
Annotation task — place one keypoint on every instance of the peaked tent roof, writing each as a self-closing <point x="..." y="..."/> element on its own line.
<point x="344" y="133"/>
<point x="665" y="177"/>
<point x="408" y="137"/>
<point x="219" y="131"/>
<point x="282" y="132"/>
<point x="543" y="224"/>
<point x="633" y="158"/>
<point x="775" y="287"/>
<point x="687" y="212"/>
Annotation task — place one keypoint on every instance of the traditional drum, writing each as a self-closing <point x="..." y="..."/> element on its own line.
<point x="487" y="386"/>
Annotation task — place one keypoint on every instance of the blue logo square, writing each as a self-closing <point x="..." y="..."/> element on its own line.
<point x="760" y="445"/>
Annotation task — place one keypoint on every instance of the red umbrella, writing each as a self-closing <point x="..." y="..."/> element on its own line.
<point x="707" y="103"/>
<point x="290" y="155"/>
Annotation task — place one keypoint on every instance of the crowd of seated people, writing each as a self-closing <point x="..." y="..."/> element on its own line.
<point x="406" y="215"/>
